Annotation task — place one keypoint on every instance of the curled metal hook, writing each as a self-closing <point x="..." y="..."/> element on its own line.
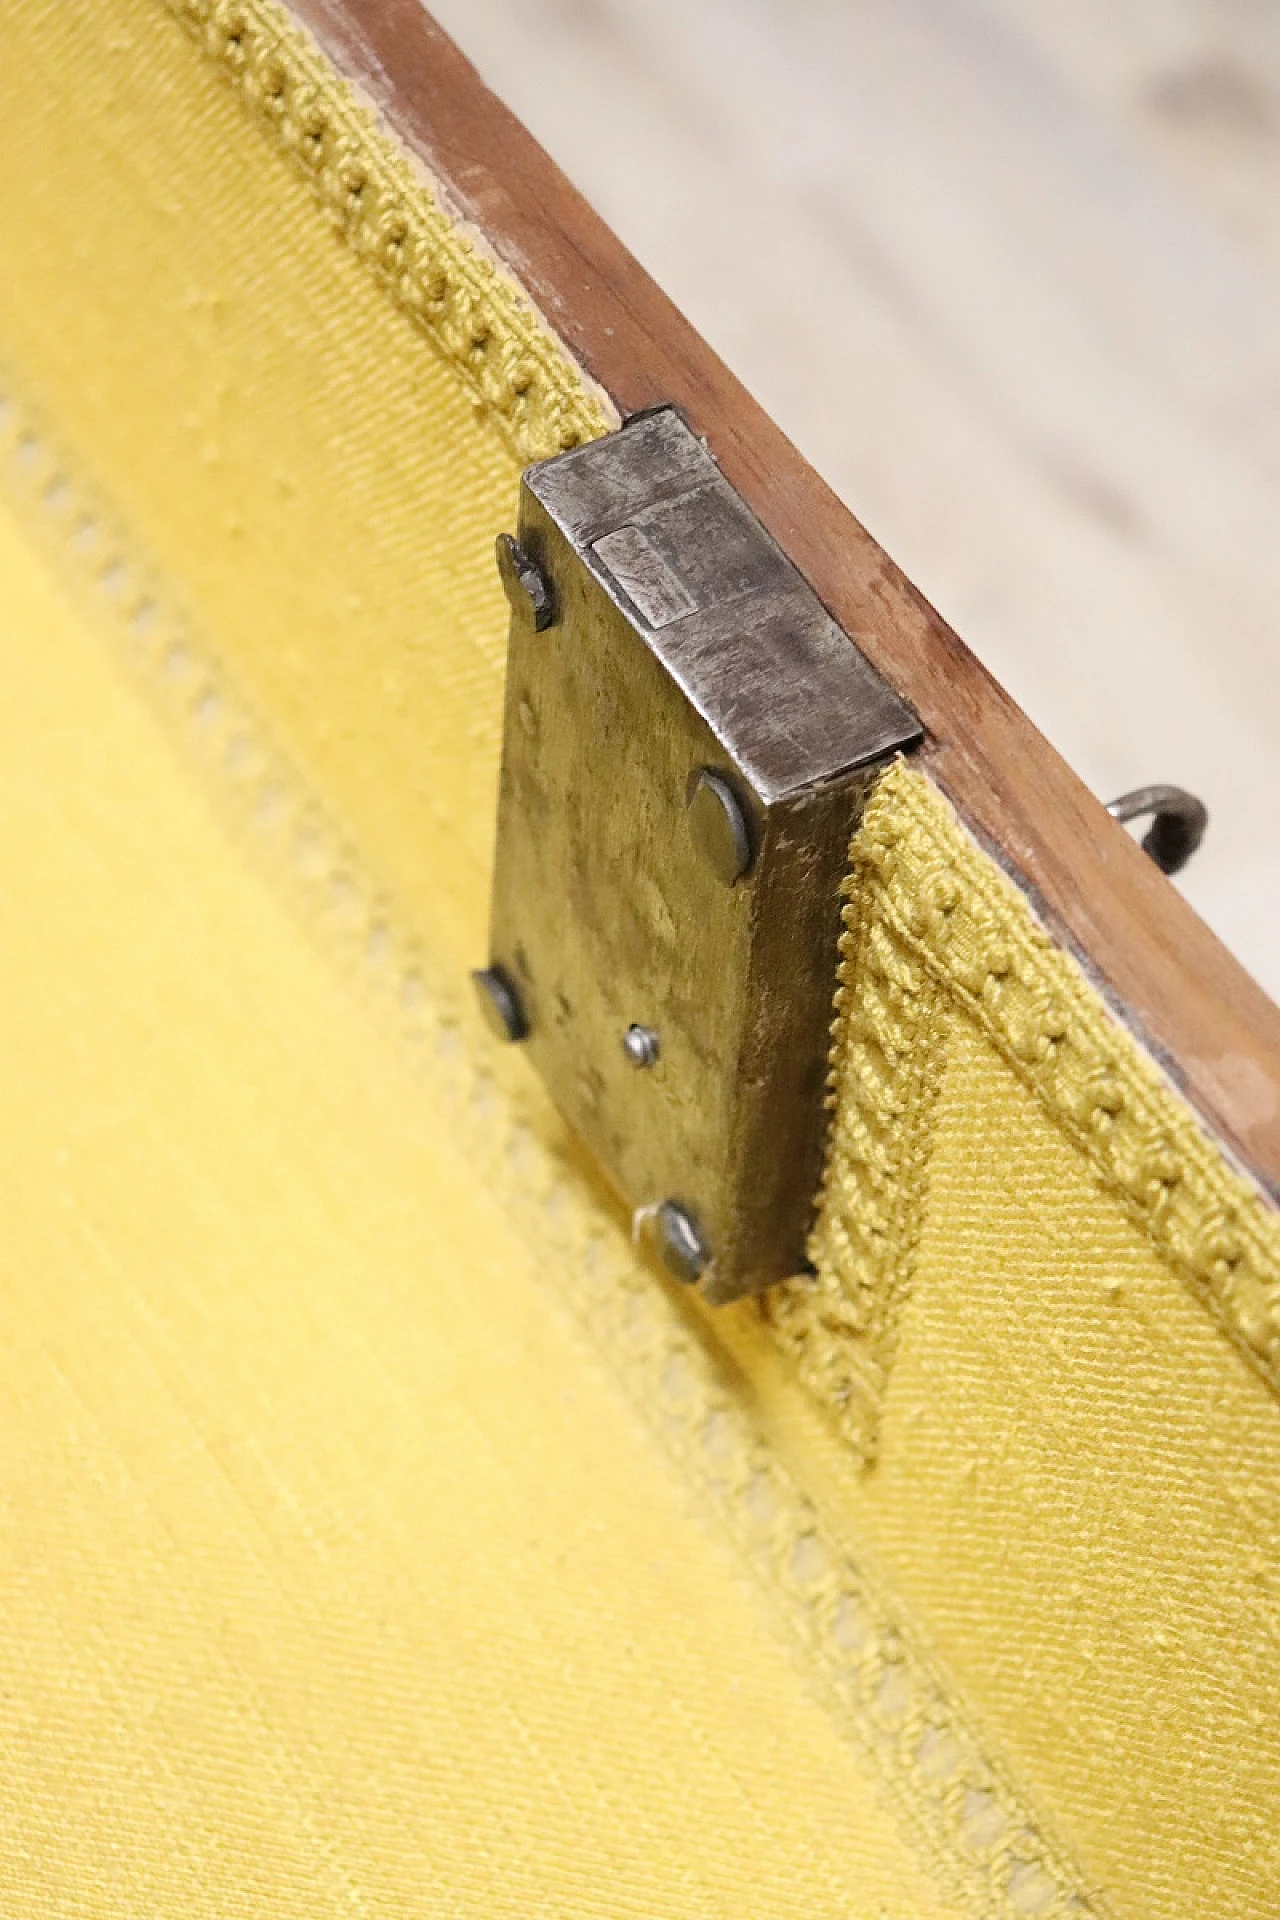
<point x="1177" y="825"/>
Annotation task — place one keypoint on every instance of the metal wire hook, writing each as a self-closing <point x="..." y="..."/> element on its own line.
<point x="1177" y="826"/>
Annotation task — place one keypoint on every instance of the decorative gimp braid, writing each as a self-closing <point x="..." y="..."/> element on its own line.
<point x="930" y="925"/>
<point x="933" y="931"/>
<point x="471" y="308"/>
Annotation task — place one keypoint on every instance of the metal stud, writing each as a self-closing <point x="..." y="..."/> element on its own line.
<point x="719" y="826"/>
<point x="682" y="1248"/>
<point x="500" y="1004"/>
<point x="641" y="1046"/>
<point x="525" y="584"/>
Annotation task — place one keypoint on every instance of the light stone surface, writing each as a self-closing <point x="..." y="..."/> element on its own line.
<point x="1010" y="276"/>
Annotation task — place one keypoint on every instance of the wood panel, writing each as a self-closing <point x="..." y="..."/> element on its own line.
<point x="1189" y="1000"/>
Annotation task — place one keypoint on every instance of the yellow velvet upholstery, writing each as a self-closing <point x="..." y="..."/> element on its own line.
<point x="383" y="1537"/>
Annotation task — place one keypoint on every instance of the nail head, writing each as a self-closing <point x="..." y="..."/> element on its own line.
<point x="526" y="586"/>
<point x="500" y="1004"/>
<point x="683" y="1250"/>
<point x="719" y="827"/>
<point x="641" y="1045"/>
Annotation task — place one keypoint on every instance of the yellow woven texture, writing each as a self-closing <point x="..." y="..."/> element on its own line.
<point x="1097" y="1480"/>
<point x="340" y="1556"/>
<point x="1076" y="1466"/>
<point x="286" y="434"/>
<point x="337" y="1576"/>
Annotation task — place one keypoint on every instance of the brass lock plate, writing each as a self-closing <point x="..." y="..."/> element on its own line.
<point x="688" y="737"/>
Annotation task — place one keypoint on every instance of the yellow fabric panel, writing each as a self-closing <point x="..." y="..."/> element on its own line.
<point x="849" y="1640"/>
<point x="1025" y="1315"/>
<point x="1098" y="1481"/>
<point x="315" y="479"/>
<point x="301" y="457"/>
<point x="933" y="928"/>
<point x="338" y="1575"/>
<point x="1077" y="1495"/>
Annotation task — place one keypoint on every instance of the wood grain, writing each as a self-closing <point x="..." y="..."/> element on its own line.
<point x="1186" y="997"/>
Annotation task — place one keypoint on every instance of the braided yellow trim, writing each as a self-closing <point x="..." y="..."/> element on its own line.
<point x="889" y="1040"/>
<point x="933" y="928"/>
<point x="924" y="903"/>
<point x="473" y="310"/>
<point x="936" y="901"/>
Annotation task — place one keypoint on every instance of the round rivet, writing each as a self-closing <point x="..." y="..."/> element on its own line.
<point x="500" y="1003"/>
<point x="525" y="584"/>
<point x="683" y="1249"/>
<point x="719" y="826"/>
<point x="640" y="1044"/>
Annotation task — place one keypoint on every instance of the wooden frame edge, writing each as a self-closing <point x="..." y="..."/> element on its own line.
<point x="1166" y="974"/>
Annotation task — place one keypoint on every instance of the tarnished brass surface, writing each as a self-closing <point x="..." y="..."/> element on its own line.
<point x="683" y="642"/>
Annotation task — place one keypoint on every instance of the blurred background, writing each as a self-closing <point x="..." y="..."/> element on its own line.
<point x="1009" y="274"/>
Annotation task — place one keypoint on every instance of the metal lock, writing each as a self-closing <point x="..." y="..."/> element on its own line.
<point x="688" y="738"/>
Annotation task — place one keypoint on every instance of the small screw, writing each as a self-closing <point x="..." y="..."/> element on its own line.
<point x="683" y="1249"/>
<point x="500" y="1003"/>
<point x="718" y="826"/>
<point x="640" y="1044"/>
<point x="525" y="584"/>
